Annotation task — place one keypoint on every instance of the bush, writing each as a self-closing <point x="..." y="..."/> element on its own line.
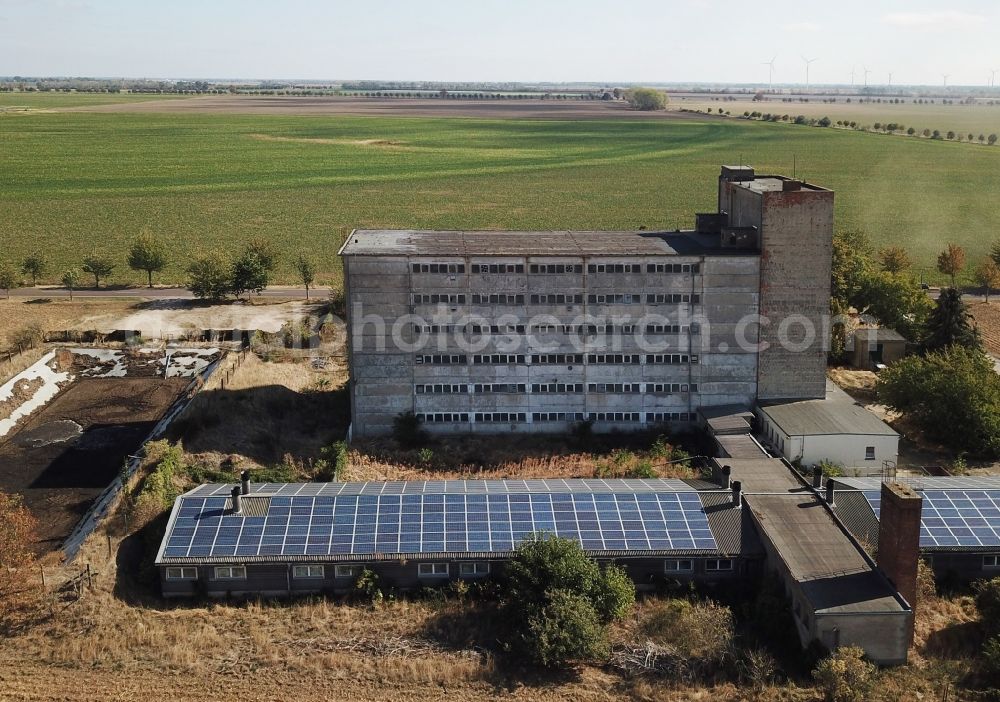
<point x="646" y="99"/>
<point x="845" y="675"/>
<point x="988" y="603"/>
<point x="696" y="630"/>
<point x="407" y="431"/>
<point x="558" y="602"/>
<point x="367" y="587"/>
<point x="991" y="658"/>
<point x="28" y="338"/>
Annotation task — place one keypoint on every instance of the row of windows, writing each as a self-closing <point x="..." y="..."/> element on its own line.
<point x="498" y="299"/>
<point x="556" y="358"/>
<point x="553" y="299"/>
<point x="686" y="565"/>
<point x="318" y="572"/>
<point x="497" y="359"/>
<point x="556" y="387"/>
<point x="445" y="359"/>
<point x="556" y="268"/>
<point x="480" y="388"/>
<point x="551" y="388"/>
<point x="498" y="268"/>
<point x="556" y="299"/>
<point x="441" y="389"/>
<point x="591" y="329"/>
<point x="512" y="417"/>
<point x="438" y="268"/>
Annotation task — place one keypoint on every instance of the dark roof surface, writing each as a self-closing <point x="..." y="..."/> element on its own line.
<point x="836" y="414"/>
<point x="414" y="242"/>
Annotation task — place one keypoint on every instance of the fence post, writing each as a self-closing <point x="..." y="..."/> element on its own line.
<point x="41" y="569"/>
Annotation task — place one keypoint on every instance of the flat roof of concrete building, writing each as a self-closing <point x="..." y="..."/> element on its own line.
<point x="763" y="475"/>
<point x="416" y="242"/>
<point x="833" y="573"/>
<point x="836" y="414"/>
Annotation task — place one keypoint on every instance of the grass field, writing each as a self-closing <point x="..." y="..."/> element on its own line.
<point x="52" y="101"/>
<point x="73" y="182"/>
<point x="979" y="119"/>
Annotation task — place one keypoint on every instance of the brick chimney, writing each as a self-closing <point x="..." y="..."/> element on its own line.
<point x="899" y="538"/>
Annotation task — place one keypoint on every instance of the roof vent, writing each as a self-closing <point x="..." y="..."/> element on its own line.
<point x="237" y="500"/>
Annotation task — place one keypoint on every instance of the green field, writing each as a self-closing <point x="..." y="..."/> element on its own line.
<point x="73" y="182"/>
<point x="53" y="100"/>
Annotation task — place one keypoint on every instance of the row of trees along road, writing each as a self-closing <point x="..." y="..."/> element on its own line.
<point x="211" y="275"/>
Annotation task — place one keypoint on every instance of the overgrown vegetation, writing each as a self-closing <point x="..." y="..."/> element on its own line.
<point x="19" y="594"/>
<point x="845" y="675"/>
<point x="557" y="602"/>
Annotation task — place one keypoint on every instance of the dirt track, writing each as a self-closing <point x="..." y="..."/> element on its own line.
<point x="60" y="468"/>
<point x="400" y="107"/>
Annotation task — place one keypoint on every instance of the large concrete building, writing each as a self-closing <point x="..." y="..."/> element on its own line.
<point x="487" y="331"/>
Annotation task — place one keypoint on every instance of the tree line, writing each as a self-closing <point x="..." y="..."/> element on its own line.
<point x="212" y="275"/>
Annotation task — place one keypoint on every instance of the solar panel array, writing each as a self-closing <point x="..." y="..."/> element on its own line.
<point x="353" y="524"/>
<point x="407" y="487"/>
<point x="954" y="517"/>
<point x="928" y="482"/>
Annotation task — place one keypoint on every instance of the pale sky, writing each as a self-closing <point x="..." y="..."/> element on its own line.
<point x="606" y="41"/>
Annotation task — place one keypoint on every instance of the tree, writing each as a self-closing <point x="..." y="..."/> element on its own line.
<point x="991" y="139"/>
<point x="558" y="601"/>
<point x="35" y="265"/>
<point x="209" y="276"/>
<point x="248" y="274"/>
<point x="265" y="252"/>
<point x="71" y="281"/>
<point x="894" y="259"/>
<point x="18" y="594"/>
<point x="988" y="275"/>
<point x="852" y="253"/>
<point x="895" y="300"/>
<point x="995" y="252"/>
<point x="646" y="99"/>
<point x="99" y="266"/>
<point x="306" y="270"/>
<point x="953" y="395"/>
<point x="8" y="279"/>
<point x="951" y="261"/>
<point x="147" y="254"/>
<point x="949" y="323"/>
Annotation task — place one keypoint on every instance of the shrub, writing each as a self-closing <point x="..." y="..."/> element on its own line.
<point x="991" y="658"/>
<point x="845" y="675"/>
<point x="558" y="602"/>
<point x="988" y="603"/>
<point x="407" y="431"/>
<point x="696" y="630"/>
<point x="367" y="587"/>
<point x="28" y="338"/>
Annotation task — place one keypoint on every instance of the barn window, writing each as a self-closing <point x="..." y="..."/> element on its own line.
<point x="869" y="453"/>
<point x="990" y="562"/>
<point x="230" y="572"/>
<point x="346" y="571"/>
<point x="719" y="564"/>
<point x="307" y="571"/>
<point x="473" y="570"/>
<point x="432" y="570"/>
<point x="678" y="565"/>
<point x="182" y="573"/>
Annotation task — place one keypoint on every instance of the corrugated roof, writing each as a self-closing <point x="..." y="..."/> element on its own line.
<point x="836" y="414"/>
<point x="731" y="525"/>
<point x="414" y="242"/>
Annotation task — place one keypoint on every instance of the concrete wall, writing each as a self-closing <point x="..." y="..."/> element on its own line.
<point x="380" y="298"/>
<point x="892" y="351"/>
<point x="847" y="450"/>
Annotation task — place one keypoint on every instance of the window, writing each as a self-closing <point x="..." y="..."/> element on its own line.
<point x="497" y="299"/>
<point x="346" y="571"/>
<point x="556" y="387"/>
<point x="669" y="417"/>
<point x="230" y="572"/>
<point x="498" y="268"/>
<point x="665" y="329"/>
<point x="869" y="453"/>
<point x="678" y="565"/>
<point x="497" y="359"/>
<point x="613" y="387"/>
<point x="614" y="268"/>
<point x="441" y="389"/>
<point x="612" y="358"/>
<point x="668" y="388"/>
<point x="991" y="562"/>
<point x="307" y="571"/>
<point x="672" y="268"/>
<point x="503" y="417"/>
<point x="444" y="417"/>
<point x="556" y="268"/>
<point x="615" y="299"/>
<point x="491" y="388"/>
<point x="432" y="570"/>
<point x="557" y="416"/>
<point x="438" y="268"/>
<point x="557" y="299"/>
<point x="182" y="573"/>
<point x="441" y="359"/>
<point x="557" y="358"/>
<point x="715" y="565"/>
<point x="474" y="570"/>
<point x="666" y="358"/>
<point x="438" y="298"/>
<point x="614" y="416"/>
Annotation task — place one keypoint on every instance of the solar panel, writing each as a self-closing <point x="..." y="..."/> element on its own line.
<point x="954" y="517"/>
<point x="446" y="521"/>
<point x="929" y="482"/>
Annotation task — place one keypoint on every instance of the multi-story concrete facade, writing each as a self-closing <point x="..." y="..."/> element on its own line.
<point x="487" y="331"/>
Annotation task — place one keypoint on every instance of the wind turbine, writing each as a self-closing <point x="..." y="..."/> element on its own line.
<point x="993" y="77"/>
<point x="946" y="76"/>
<point x="852" y="75"/>
<point x="890" y="79"/>
<point x="770" y="72"/>
<point x="866" y="75"/>
<point x="807" y="62"/>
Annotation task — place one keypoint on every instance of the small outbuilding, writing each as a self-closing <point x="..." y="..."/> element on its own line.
<point x="835" y="429"/>
<point x="872" y="348"/>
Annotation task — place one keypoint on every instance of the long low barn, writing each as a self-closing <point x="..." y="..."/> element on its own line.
<point x="959" y="521"/>
<point x="275" y="539"/>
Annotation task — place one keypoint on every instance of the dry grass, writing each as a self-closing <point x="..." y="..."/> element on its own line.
<point x="987" y="318"/>
<point x="56" y="314"/>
